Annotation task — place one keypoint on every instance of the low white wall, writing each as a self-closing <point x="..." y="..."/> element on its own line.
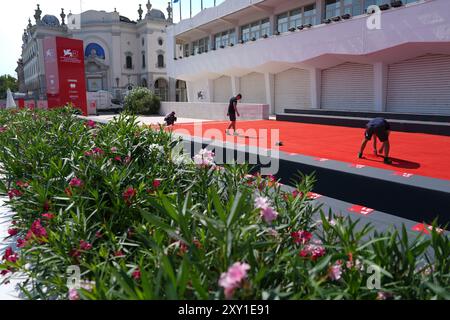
<point x="214" y="111"/>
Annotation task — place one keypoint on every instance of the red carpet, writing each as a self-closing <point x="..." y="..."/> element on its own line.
<point x="418" y="154"/>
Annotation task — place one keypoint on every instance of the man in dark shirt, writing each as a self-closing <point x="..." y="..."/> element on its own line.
<point x="232" y="112"/>
<point x="381" y="129"/>
<point x="170" y="119"/>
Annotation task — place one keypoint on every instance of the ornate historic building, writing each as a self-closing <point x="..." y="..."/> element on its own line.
<point x="119" y="53"/>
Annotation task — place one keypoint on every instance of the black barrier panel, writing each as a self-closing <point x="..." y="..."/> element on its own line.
<point x="413" y="201"/>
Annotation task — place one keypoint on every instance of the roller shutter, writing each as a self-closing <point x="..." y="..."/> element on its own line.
<point x="253" y="88"/>
<point x="222" y="89"/>
<point x="349" y="86"/>
<point x="292" y="90"/>
<point x="420" y="85"/>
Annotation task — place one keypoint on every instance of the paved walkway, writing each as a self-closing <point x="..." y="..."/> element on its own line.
<point x="148" y="120"/>
<point x="7" y="291"/>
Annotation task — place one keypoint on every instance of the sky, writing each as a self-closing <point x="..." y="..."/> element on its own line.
<point x="15" y="16"/>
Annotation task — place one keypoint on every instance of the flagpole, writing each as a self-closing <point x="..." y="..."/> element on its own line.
<point x="180" y="11"/>
<point x="202" y="4"/>
<point x="190" y="2"/>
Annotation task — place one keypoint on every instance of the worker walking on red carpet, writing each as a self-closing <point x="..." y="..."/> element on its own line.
<point x="381" y="129"/>
<point x="232" y="112"/>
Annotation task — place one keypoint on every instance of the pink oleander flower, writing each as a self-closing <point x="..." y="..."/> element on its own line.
<point x="119" y="254"/>
<point x="48" y="216"/>
<point x="232" y="279"/>
<point x="76" y="182"/>
<point x="302" y="237"/>
<point x="10" y="256"/>
<point x="313" y="251"/>
<point x="136" y="274"/>
<point x="262" y="203"/>
<point x="22" y="184"/>
<point x="3" y="129"/>
<point x="36" y="231"/>
<point x="90" y="124"/>
<point x="21" y="243"/>
<point x="4" y="272"/>
<point x="13" y="193"/>
<point x="156" y="183"/>
<point x="114" y="150"/>
<point x="129" y="194"/>
<point x="335" y="271"/>
<point x="297" y="193"/>
<point x="118" y="158"/>
<point x="269" y="215"/>
<point x="46" y="206"/>
<point x="97" y="151"/>
<point x="98" y="235"/>
<point x="12" y="232"/>
<point x="384" y="296"/>
<point x="127" y="160"/>
<point x="85" y="246"/>
<point x="89" y="153"/>
<point x="68" y="192"/>
<point x="204" y="158"/>
<point x="75" y="253"/>
<point x="73" y="295"/>
<point x="272" y="232"/>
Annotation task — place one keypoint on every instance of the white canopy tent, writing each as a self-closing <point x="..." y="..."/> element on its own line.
<point x="10" y="103"/>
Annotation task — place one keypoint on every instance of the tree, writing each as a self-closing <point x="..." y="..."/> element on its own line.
<point x="142" y="101"/>
<point x="7" y="81"/>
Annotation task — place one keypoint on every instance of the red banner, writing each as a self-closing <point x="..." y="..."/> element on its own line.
<point x="65" y="74"/>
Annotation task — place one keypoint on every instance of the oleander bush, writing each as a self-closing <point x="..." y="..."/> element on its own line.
<point x="141" y="221"/>
<point x="142" y="101"/>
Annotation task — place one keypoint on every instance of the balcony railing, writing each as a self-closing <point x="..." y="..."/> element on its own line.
<point x="331" y="20"/>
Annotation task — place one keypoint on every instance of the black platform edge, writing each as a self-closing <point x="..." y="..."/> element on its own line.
<point x="435" y="128"/>
<point x="417" y="198"/>
<point x="370" y="114"/>
<point x="381" y="221"/>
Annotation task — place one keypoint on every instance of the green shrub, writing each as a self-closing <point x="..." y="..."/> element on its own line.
<point x="142" y="101"/>
<point x="141" y="224"/>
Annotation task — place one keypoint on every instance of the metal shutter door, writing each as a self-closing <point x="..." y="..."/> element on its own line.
<point x="253" y="88"/>
<point x="348" y="86"/>
<point x="420" y="85"/>
<point x="222" y="89"/>
<point x="292" y="90"/>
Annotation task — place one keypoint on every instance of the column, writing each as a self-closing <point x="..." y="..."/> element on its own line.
<point x="189" y="89"/>
<point x="210" y="96"/>
<point x="235" y="85"/>
<point x="319" y="11"/>
<point x="380" y="73"/>
<point x="315" y="75"/>
<point x="273" y="22"/>
<point x="172" y="89"/>
<point x="116" y="60"/>
<point x="269" y="80"/>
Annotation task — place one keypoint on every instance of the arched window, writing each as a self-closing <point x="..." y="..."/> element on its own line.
<point x="162" y="89"/>
<point x="161" y="61"/>
<point x="181" y="91"/>
<point x="129" y="62"/>
<point x="144" y="83"/>
<point x="143" y="61"/>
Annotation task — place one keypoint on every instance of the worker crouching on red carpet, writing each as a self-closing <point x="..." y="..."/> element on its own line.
<point x="381" y="129"/>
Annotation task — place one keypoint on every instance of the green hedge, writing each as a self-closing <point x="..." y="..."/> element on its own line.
<point x="142" y="223"/>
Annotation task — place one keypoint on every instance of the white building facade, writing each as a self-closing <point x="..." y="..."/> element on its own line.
<point x="322" y="54"/>
<point x="119" y="53"/>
